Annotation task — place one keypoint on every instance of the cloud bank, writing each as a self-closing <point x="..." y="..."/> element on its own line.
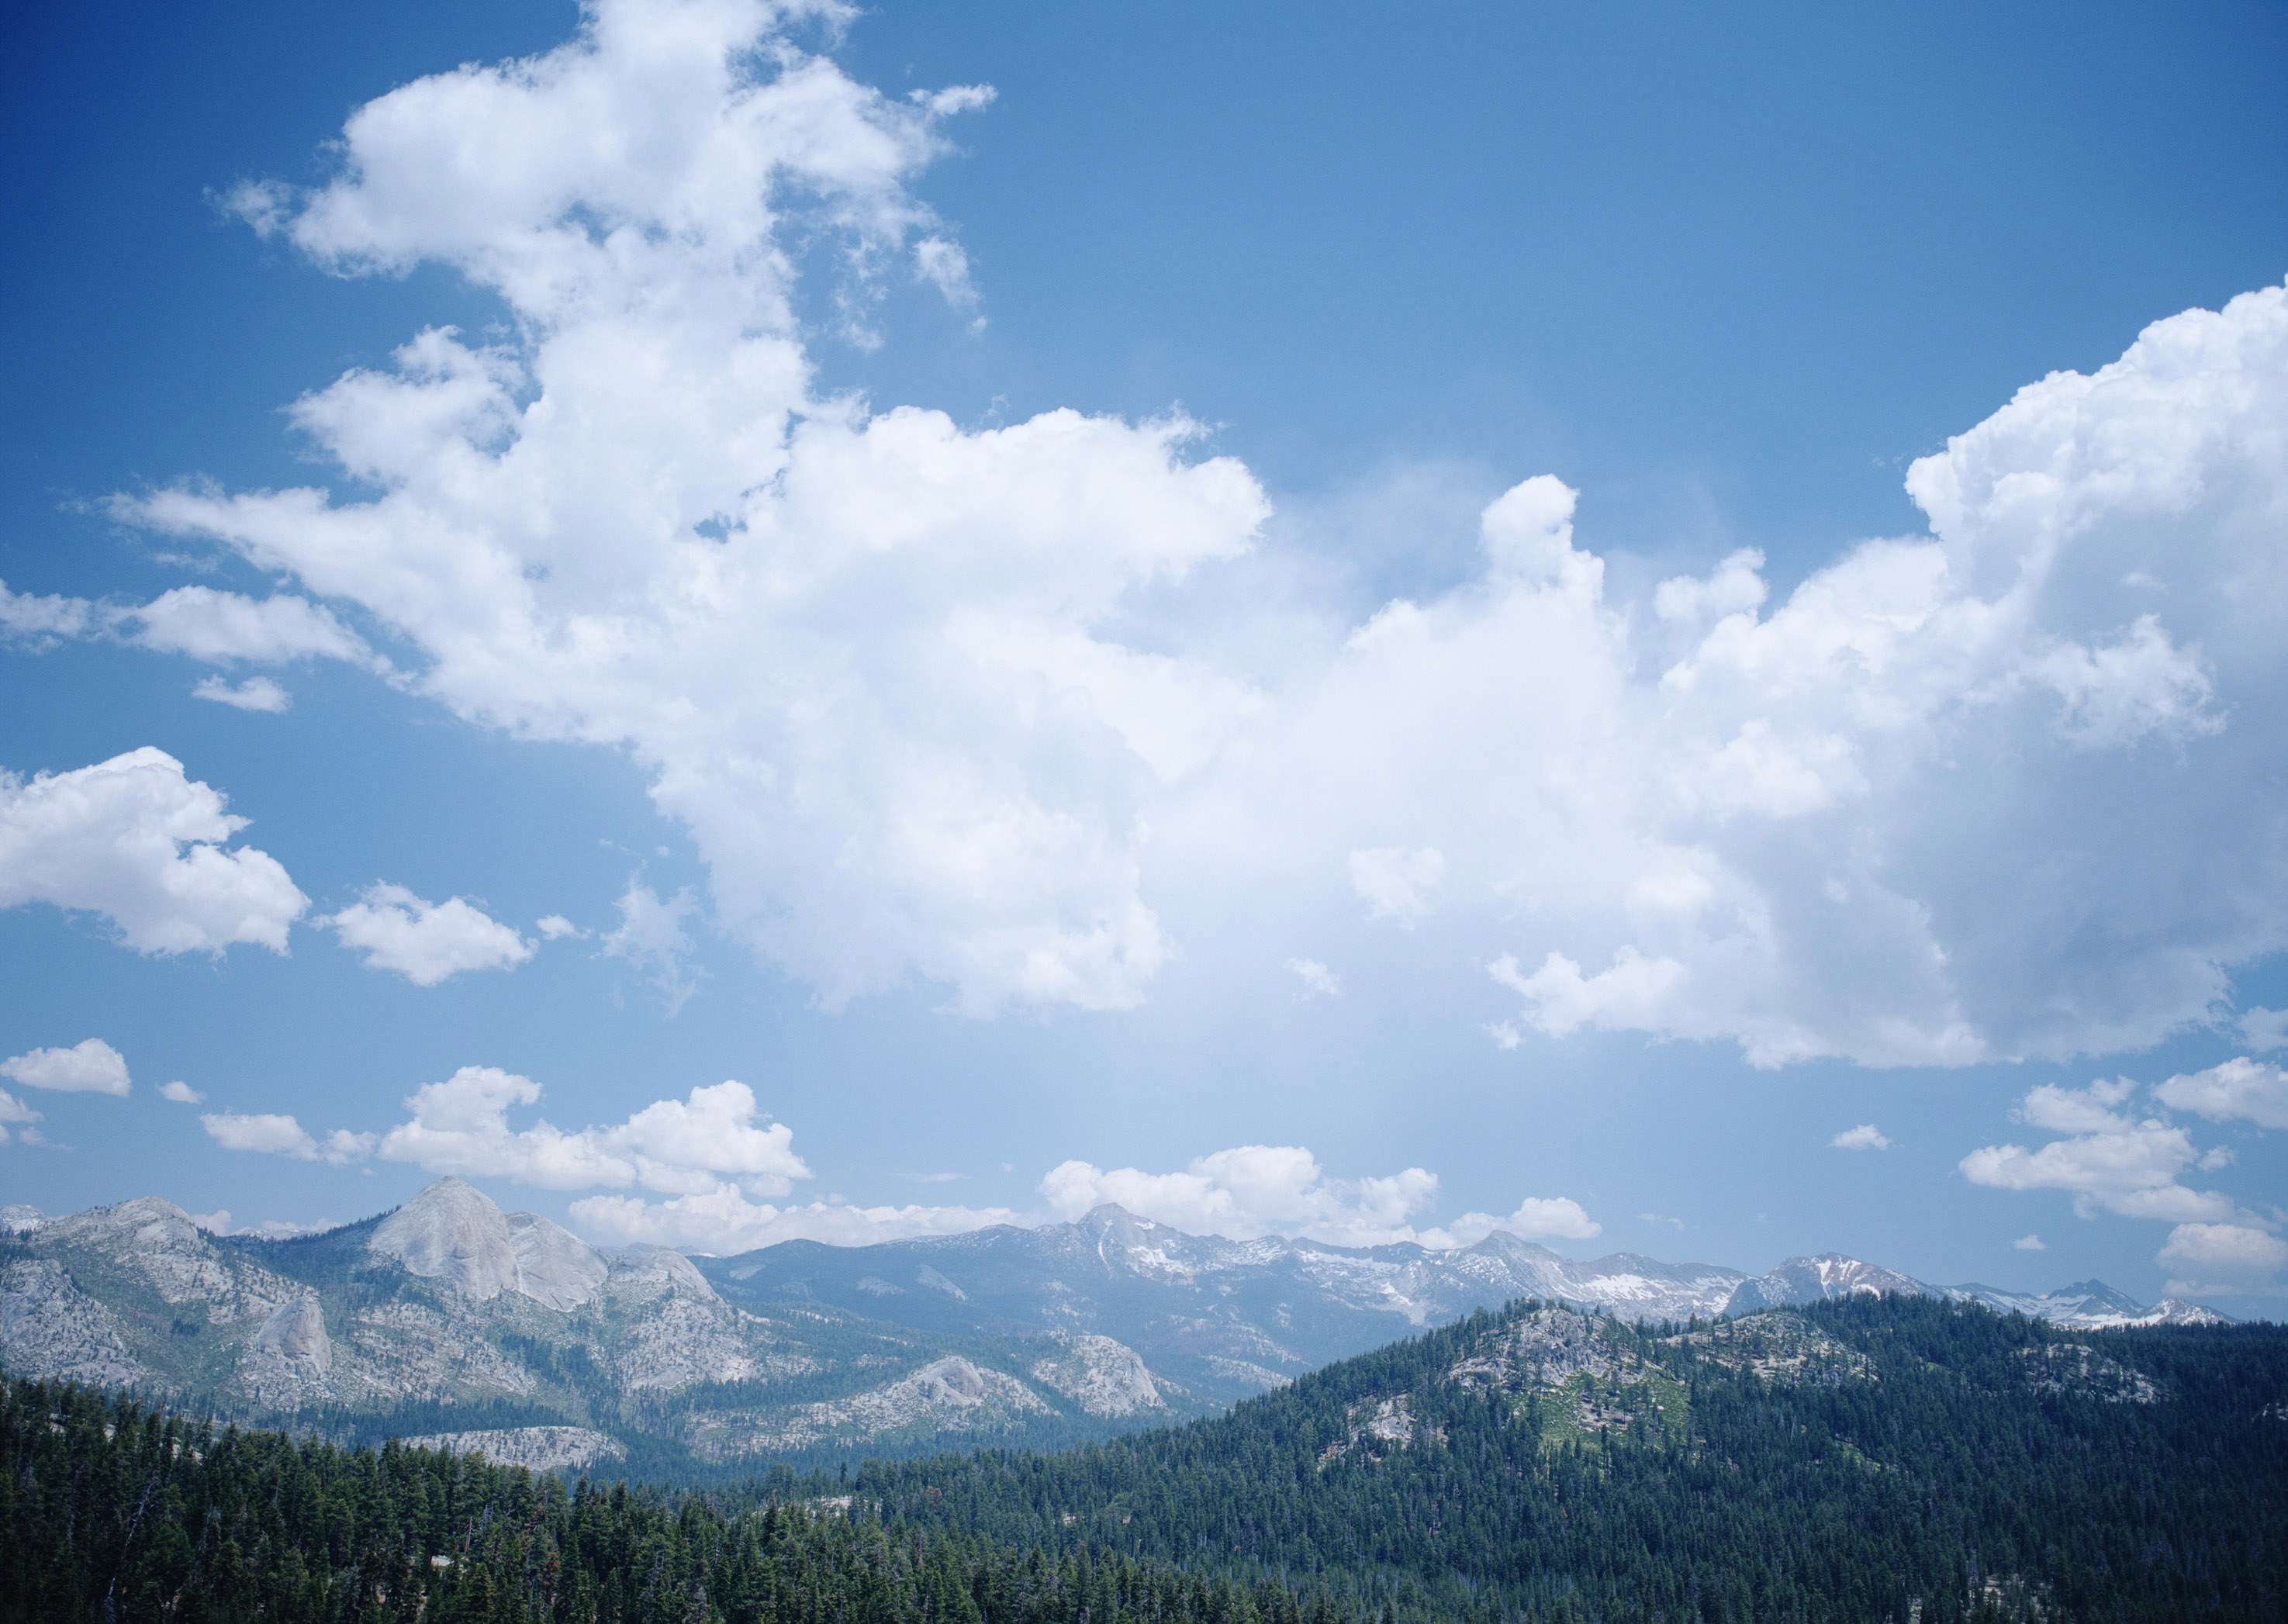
<point x="987" y="708"/>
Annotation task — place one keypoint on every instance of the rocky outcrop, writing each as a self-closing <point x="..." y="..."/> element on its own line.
<point x="950" y="1396"/>
<point x="295" y="1335"/>
<point x="1778" y="1346"/>
<point x="16" y="1218"/>
<point x="453" y="1233"/>
<point x="541" y="1449"/>
<point x="52" y="1330"/>
<point x="644" y="1273"/>
<point x="157" y="1243"/>
<point x="1104" y="1377"/>
<point x="2074" y="1371"/>
<point x="554" y="1267"/>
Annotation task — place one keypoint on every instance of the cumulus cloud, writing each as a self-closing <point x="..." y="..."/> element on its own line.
<point x="257" y="693"/>
<point x="682" y="1147"/>
<point x="2132" y="1170"/>
<point x="276" y="1134"/>
<point x="971" y="706"/>
<point x="2238" y="1089"/>
<point x="722" y="1220"/>
<point x="2094" y="1109"/>
<point x="1536" y="1219"/>
<point x="2223" y="1259"/>
<point x="1866" y="1137"/>
<point x="555" y="927"/>
<point x="2029" y="1243"/>
<point x="1255" y="1190"/>
<point x="2112" y="1163"/>
<point x="1318" y="981"/>
<point x="91" y="1066"/>
<point x="425" y="942"/>
<point x="181" y="1093"/>
<point x="136" y="841"/>
<point x="14" y="1110"/>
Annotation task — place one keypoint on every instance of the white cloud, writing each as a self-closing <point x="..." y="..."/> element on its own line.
<point x="722" y="1220"/>
<point x="652" y="936"/>
<point x="945" y="266"/>
<point x="91" y="1067"/>
<point x="1660" y="1218"/>
<point x="1397" y="883"/>
<point x="1536" y="1219"/>
<point x="2244" y="1089"/>
<point x="681" y="1147"/>
<point x="555" y="927"/>
<point x="2221" y="1259"/>
<point x="223" y="628"/>
<point x="181" y="1093"/>
<point x="216" y="627"/>
<point x="425" y="942"/>
<point x="1866" y="1137"/>
<point x="36" y="621"/>
<point x="2094" y="1109"/>
<point x="1560" y="1000"/>
<point x="136" y="841"/>
<point x="998" y="710"/>
<point x="276" y="1134"/>
<point x="1318" y="981"/>
<point x="2029" y="1243"/>
<point x="2111" y="1163"/>
<point x="2263" y="1029"/>
<point x="1251" y="1190"/>
<point x="257" y="693"/>
<point x="1735" y="587"/>
<point x="14" y="1110"/>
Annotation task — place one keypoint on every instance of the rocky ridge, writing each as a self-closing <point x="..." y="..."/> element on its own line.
<point x="453" y="1307"/>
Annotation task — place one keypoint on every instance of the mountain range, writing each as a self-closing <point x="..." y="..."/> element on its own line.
<point x="449" y="1319"/>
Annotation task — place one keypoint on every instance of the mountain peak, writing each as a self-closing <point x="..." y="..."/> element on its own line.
<point x="453" y="1231"/>
<point x="1107" y="1214"/>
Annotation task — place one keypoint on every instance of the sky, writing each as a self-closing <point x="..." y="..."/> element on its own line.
<point x="1656" y="629"/>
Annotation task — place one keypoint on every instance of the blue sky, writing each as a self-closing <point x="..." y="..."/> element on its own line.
<point x="1012" y="762"/>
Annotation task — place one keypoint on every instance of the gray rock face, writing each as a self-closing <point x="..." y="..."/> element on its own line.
<point x="453" y="1232"/>
<point x="294" y="1334"/>
<point x="948" y="1396"/>
<point x="1103" y="1377"/>
<point x="16" y="1218"/>
<point x="553" y="1265"/>
<point x="51" y="1329"/>
<point x="643" y="1272"/>
<point x="541" y="1449"/>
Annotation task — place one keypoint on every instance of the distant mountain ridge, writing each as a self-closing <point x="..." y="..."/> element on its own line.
<point x="448" y="1318"/>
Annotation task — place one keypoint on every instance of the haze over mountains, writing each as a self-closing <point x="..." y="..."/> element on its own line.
<point x="448" y="1318"/>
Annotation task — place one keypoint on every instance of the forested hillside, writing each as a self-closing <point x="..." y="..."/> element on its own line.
<point x="1856" y="1460"/>
<point x="1894" y="1459"/>
<point x="112" y="1511"/>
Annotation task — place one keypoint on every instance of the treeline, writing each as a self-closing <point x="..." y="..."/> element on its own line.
<point x="112" y="1512"/>
<point x="1950" y="1483"/>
